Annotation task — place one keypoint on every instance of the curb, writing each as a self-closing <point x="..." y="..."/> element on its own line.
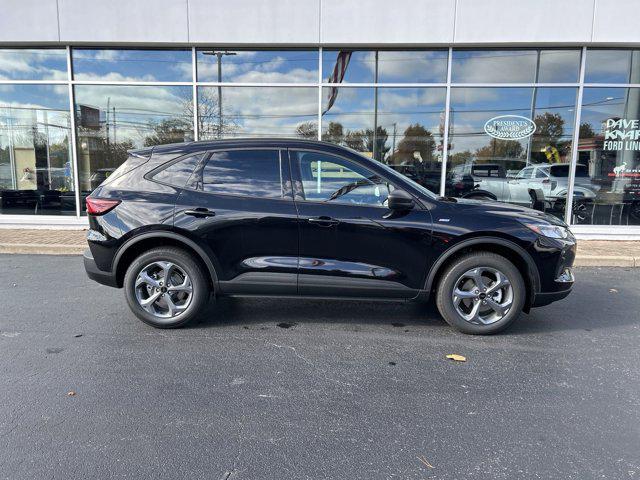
<point x="41" y="249"/>
<point x="44" y="249"/>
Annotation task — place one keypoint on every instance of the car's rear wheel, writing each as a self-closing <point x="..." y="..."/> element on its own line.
<point x="166" y="287"/>
<point x="481" y="293"/>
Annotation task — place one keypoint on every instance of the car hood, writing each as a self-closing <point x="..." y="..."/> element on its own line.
<point x="477" y="207"/>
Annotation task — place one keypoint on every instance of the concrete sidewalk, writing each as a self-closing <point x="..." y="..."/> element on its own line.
<point x="591" y="253"/>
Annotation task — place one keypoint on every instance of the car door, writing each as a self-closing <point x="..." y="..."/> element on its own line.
<point x="240" y="206"/>
<point x="519" y="187"/>
<point x="351" y="244"/>
<point x="540" y="181"/>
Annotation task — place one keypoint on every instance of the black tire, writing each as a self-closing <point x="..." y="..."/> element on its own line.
<point x="185" y="262"/>
<point x="468" y="262"/>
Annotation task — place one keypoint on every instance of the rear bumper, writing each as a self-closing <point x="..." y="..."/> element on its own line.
<point x="94" y="273"/>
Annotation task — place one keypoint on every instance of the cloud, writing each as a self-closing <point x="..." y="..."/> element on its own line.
<point x="245" y="67"/>
<point x="33" y="64"/>
<point x="115" y="77"/>
<point x="264" y="111"/>
<point x="409" y="66"/>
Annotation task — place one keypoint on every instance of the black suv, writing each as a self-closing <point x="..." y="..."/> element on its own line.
<point x="177" y="223"/>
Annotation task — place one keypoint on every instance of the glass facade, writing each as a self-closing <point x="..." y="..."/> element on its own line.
<point x="553" y="128"/>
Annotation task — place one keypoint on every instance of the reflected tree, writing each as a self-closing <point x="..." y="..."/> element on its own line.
<point x="501" y="149"/>
<point x="334" y="133"/>
<point x="307" y="130"/>
<point x="418" y="142"/>
<point x="586" y="130"/>
<point x="171" y="130"/>
<point x="549" y="128"/>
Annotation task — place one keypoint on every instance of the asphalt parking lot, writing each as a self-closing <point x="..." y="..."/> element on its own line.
<point x="285" y="389"/>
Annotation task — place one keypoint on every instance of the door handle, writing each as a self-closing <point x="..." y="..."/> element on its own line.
<point x="323" y="221"/>
<point x="200" y="213"/>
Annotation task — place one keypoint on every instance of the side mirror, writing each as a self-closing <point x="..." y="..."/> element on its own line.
<point x="399" y="200"/>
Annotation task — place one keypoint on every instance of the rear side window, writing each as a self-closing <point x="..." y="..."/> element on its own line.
<point x="252" y="173"/>
<point x="107" y="175"/>
<point x="179" y="172"/>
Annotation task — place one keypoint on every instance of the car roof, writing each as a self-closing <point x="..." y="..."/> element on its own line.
<point x="240" y="142"/>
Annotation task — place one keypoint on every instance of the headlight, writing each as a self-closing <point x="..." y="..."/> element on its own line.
<point x="548" y="230"/>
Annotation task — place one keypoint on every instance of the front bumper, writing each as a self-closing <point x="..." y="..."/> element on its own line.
<point x="564" y="284"/>
<point x="94" y="273"/>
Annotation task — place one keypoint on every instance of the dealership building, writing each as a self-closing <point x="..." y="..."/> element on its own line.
<point x="530" y="102"/>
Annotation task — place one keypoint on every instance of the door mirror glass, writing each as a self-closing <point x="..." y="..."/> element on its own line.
<point x="399" y="200"/>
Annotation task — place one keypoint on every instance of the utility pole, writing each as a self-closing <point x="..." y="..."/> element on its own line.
<point x="107" y="120"/>
<point x="219" y="54"/>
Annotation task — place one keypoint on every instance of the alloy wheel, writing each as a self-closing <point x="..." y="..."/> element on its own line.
<point x="163" y="289"/>
<point x="482" y="295"/>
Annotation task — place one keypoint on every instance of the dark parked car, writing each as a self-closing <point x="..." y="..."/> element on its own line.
<point x="177" y="224"/>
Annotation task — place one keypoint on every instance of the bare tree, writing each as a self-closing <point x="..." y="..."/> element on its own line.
<point x="210" y="125"/>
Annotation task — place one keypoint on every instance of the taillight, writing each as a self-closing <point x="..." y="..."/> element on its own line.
<point x="100" y="206"/>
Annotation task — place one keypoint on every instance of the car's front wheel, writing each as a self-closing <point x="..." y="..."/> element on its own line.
<point x="165" y="287"/>
<point x="481" y="293"/>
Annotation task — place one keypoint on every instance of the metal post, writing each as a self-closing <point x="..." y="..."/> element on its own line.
<point x="576" y="138"/>
<point x="46" y="134"/>
<point x="12" y="153"/>
<point x="375" y="109"/>
<point x="219" y="55"/>
<point x="445" y="139"/>
<point x="196" y="133"/>
<point x="72" y="138"/>
<point x="534" y="97"/>
<point x="106" y="121"/>
<point x="320" y="95"/>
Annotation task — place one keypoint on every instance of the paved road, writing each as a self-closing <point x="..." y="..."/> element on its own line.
<point x="350" y="390"/>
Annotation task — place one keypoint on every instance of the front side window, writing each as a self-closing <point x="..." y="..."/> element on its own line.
<point x="251" y="173"/>
<point x="330" y="179"/>
<point x="524" y="173"/>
